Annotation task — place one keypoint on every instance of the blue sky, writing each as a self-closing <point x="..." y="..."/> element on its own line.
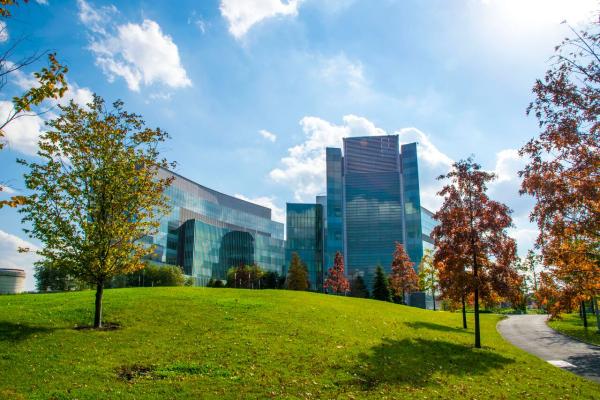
<point x="252" y="91"/>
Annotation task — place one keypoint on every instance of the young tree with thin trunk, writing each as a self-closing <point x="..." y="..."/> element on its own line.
<point x="471" y="234"/>
<point x="403" y="278"/>
<point x="336" y="277"/>
<point x="96" y="193"/>
<point x="381" y="290"/>
<point x="563" y="173"/>
<point x="428" y="275"/>
<point x="297" y="278"/>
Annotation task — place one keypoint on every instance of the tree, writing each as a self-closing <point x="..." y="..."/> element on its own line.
<point x="428" y="275"/>
<point x="563" y="173"/>
<point x="245" y="277"/>
<point x="473" y="245"/>
<point x="381" y="290"/>
<point x="403" y="278"/>
<point x="336" y="277"/>
<point x="358" y="288"/>
<point x="50" y="278"/>
<point x="96" y="192"/>
<point x="51" y="83"/>
<point x="271" y="280"/>
<point x="297" y="278"/>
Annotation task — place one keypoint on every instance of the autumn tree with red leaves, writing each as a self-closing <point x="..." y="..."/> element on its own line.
<point x="403" y="278"/>
<point x="563" y="173"/>
<point x="336" y="278"/>
<point x="474" y="249"/>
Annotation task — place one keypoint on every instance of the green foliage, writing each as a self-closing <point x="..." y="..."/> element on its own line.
<point x="297" y="278"/>
<point x="358" y="288"/>
<point x="428" y="275"/>
<point x="381" y="289"/>
<point x="245" y="277"/>
<point x="190" y="343"/>
<point x="157" y="275"/>
<point x="96" y="192"/>
<point x="49" y="278"/>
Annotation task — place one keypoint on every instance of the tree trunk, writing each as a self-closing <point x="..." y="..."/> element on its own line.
<point x="433" y="295"/>
<point x="98" y="313"/>
<point x="477" y="332"/>
<point x="464" y="312"/>
<point x="584" y="314"/>
<point x="595" y="300"/>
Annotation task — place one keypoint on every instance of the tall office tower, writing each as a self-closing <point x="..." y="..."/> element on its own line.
<point x="334" y="220"/>
<point x="304" y="228"/>
<point x="373" y="201"/>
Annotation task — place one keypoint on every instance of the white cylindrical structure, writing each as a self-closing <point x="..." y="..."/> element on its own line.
<point x="12" y="280"/>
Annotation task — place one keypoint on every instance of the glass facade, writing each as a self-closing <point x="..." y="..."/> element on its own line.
<point x="372" y="203"/>
<point x="412" y="203"/>
<point x="207" y="232"/>
<point x="428" y="223"/>
<point x="304" y="228"/>
<point x="333" y="211"/>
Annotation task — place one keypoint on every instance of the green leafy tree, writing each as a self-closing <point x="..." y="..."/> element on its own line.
<point x="49" y="279"/>
<point x="245" y="277"/>
<point x="381" y="289"/>
<point x="297" y="278"/>
<point x="96" y="192"/>
<point x="428" y="275"/>
<point x="358" y="288"/>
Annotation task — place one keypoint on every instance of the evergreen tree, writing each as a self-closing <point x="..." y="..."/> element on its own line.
<point x="297" y="278"/>
<point x="381" y="290"/>
<point x="358" y="288"/>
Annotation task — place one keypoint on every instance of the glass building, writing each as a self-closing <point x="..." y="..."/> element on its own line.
<point x="208" y="232"/>
<point x="372" y="202"/>
<point x="304" y="234"/>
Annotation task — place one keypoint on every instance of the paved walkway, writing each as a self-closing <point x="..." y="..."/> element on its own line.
<point x="530" y="333"/>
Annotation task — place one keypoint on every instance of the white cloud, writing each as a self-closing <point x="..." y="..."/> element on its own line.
<point x="23" y="133"/>
<point x="427" y="151"/>
<point x="241" y="15"/>
<point x="304" y="167"/>
<point x="11" y="258"/>
<point x="268" y="135"/>
<point x="277" y="213"/>
<point x="139" y="53"/>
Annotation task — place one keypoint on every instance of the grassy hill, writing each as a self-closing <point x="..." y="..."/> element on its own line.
<point x="225" y="343"/>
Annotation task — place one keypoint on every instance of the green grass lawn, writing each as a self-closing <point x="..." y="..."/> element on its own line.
<point x="572" y="325"/>
<point x="226" y="343"/>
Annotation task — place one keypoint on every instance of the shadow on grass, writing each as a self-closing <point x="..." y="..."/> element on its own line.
<point x="413" y="362"/>
<point x="436" y="327"/>
<point x="12" y="332"/>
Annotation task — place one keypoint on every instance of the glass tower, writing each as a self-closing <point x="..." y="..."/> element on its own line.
<point x="304" y="228"/>
<point x="372" y="202"/>
<point x="333" y="211"/>
<point x="208" y="232"/>
<point x="373" y="216"/>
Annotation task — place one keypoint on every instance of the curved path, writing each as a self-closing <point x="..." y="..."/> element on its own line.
<point x="530" y="333"/>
